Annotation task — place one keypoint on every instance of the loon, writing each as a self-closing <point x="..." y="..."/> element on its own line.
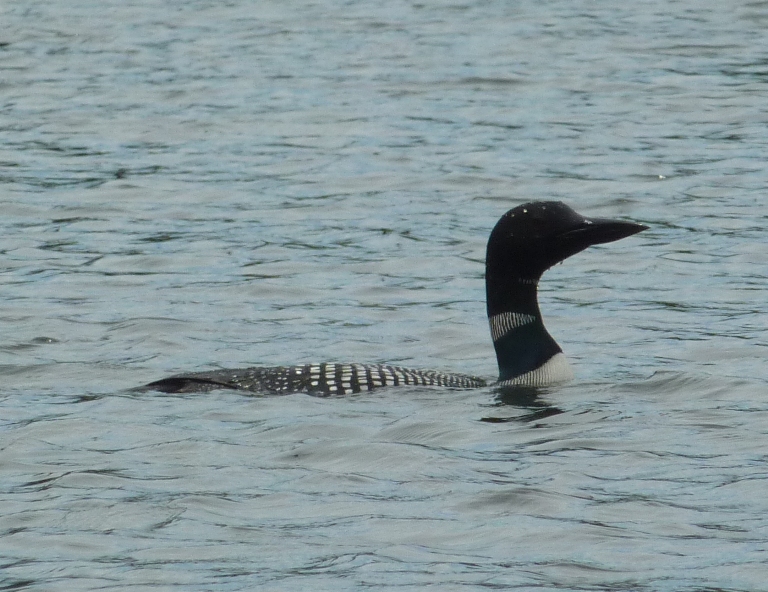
<point x="525" y="242"/>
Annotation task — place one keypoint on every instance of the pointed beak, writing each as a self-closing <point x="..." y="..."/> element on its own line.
<point x="593" y="231"/>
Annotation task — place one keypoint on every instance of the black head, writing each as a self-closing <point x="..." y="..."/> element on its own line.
<point x="531" y="238"/>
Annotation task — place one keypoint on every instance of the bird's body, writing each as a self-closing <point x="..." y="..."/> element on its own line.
<point x="318" y="379"/>
<point x="526" y="241"/>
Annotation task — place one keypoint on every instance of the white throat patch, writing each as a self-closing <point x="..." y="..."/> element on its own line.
<point x="503" y="323"/>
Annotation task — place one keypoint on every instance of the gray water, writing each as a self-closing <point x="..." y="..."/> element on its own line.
<point x="194" y="185"/>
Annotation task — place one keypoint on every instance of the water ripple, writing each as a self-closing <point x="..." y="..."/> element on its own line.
<point x="207" y="185"/>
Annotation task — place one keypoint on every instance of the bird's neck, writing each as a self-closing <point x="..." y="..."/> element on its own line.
<point x="522" y="343"/>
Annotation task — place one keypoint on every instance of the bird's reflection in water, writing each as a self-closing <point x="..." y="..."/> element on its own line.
<point x="528" y="398"/>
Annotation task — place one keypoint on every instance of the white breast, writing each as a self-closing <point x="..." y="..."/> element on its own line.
<point x="556" y="369"/>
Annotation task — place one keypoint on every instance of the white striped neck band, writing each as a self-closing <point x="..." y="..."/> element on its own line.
<point x="504" y="322"/>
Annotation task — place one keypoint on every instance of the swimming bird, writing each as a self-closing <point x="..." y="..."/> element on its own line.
<point x="525" y="242"/>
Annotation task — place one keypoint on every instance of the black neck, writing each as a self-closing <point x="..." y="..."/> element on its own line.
<point x="504" y="294"/>
<point x="528" y="346"/>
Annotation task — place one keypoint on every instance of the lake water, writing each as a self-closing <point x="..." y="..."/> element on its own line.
<point x="193" y="185"/>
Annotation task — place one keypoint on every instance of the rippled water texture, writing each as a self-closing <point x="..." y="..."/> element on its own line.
<point x="193" y="185"/>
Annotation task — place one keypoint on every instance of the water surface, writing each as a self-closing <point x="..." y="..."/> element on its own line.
<point x="195" y="185"/>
